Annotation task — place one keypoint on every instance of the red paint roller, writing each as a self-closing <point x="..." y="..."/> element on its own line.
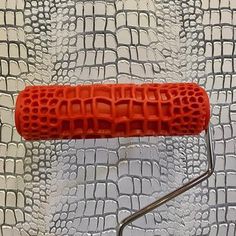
<point x="107" y="111"/>
<point x="111" y="110"/>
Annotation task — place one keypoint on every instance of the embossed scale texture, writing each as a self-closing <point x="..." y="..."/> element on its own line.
<point x="112" y="110"/>
<point x="84" y="187"/>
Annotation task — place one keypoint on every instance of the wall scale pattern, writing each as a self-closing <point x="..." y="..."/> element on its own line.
<point x="84" y="187"/>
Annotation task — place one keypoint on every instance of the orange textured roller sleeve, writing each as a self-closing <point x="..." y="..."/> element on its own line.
<point x="106" y="111"/>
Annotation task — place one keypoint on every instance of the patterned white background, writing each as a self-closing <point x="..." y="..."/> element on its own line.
<point x="84" y="187"/>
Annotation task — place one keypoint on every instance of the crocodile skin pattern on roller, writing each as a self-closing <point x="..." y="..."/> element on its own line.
<point x="111" y="111"/>
<point x="85" y="187"/>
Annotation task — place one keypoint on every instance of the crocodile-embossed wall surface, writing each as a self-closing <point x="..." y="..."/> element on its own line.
<point x="84" y="187"/>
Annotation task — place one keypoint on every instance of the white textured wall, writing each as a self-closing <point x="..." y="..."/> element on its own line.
<point x="84" y="187"/>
